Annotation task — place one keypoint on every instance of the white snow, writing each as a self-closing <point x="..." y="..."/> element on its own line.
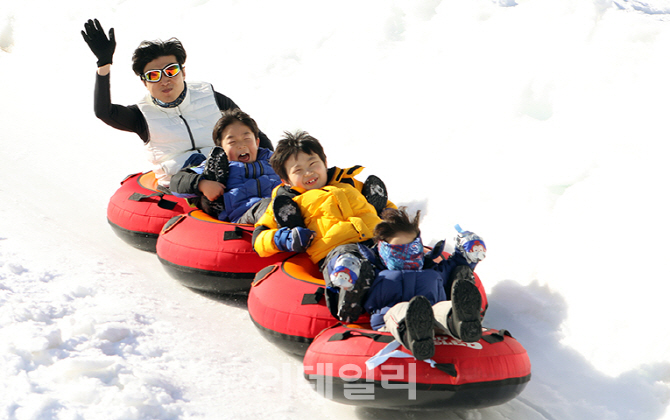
<point x="539" y="124"/>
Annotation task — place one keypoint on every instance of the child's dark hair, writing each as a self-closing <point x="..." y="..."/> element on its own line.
<point x="151" y="50"/>
<point x="292" y="144"/>
<point x="228" y="117"/>
<point x="396" y="221"/>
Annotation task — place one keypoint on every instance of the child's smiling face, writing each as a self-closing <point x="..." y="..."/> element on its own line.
<point x="239" y="143"/>
<point x="305" y="171"/>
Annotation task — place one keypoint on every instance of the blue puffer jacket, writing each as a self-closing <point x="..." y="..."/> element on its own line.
<point x="395" y="286"/>
<point x="247" y="184"/>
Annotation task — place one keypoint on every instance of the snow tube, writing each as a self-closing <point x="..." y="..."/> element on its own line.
<point x="490" y="372"/>
<point x="207" y="254"/>
<point x="137" y="211"/>
<point x="287" y="303"/>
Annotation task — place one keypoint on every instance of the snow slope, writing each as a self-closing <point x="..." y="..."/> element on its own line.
<point x="539" y="124"/>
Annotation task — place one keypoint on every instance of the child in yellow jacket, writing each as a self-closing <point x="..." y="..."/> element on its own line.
<point x="327" y="213"/>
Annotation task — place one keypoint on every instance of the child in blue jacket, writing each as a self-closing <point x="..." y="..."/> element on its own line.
<point x="236" y="181"/>
<point x="412" y="296"/>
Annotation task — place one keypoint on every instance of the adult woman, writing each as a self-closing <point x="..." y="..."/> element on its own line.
<point x="175" y="119"/>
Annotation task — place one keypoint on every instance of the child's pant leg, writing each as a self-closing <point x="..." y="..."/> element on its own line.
<point x="392" y="319"/>
<point x="397" y="313"/>
<point x="255" y="212"/>
<point x="441" y="313"/>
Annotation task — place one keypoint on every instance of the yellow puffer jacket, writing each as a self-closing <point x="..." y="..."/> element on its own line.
<point x="338" y="214"/>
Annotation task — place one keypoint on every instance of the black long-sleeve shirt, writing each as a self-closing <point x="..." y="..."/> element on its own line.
<point x="130" y="118"/>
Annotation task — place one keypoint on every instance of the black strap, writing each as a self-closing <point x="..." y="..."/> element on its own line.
<point x="263" y="274"/>
<point x="496" y="337"/>
<point x="162" y="203"/>
<point x="139" y="197"/>
<point x="448" y="368"/>
<point x="233" y="234"/>
<point x="167" y="204"/>
<point x="380" y="338"/>
<point x="313" y="298"/>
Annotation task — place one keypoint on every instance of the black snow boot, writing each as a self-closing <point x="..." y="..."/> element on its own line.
<point x="464" y="320"/>
<point x="216" y="169"/>
<point x="460" y="272"/>
<point x="287" y="212"/>
<point x="350" y="302"/>
<point x="375" y="192"/>
<point x="419" y="332"/>
<point x="217" y="166"/>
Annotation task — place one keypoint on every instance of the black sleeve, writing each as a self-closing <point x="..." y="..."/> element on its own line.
<point x="265" y="141"/>
<point x="257" y="230"/>
<point x="185" y="182"/>
<point x="126" y="118"/>
<point x="225" y="103"/>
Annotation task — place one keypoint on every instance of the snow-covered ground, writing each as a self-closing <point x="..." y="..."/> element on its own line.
<point x="539" y="124"/>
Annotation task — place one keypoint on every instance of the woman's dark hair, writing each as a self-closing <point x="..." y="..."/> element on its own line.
<point x="228" y="117"/>
<point x="292" y="144"/>
<point x="396" y="221"/>
<point x="151" y="50"/>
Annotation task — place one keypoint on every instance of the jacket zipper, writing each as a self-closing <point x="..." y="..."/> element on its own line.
<point x="190" y="134"/>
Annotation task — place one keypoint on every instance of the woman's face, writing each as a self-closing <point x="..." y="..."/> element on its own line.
<point x="168" y="88"/>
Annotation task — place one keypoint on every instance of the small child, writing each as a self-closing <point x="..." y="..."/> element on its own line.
<point x="235" y="182"/>
<point x="325" y="212"/>
<point x="412" y="296"/>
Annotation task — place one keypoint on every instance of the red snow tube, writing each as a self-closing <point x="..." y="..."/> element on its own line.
<point x="489" y="372"/>
<point x="287" y="303"/>
<point x="137" y="211"/>
<point x="207" y="254"/>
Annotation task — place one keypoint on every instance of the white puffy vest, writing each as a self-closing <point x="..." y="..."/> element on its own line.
<point x="176" y="133"/>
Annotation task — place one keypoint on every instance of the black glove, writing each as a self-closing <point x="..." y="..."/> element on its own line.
<point x="97" y="41"/>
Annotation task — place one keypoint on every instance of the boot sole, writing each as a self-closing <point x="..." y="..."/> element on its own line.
<point x="466" y="303"/>
<point x="420" y="328"/>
